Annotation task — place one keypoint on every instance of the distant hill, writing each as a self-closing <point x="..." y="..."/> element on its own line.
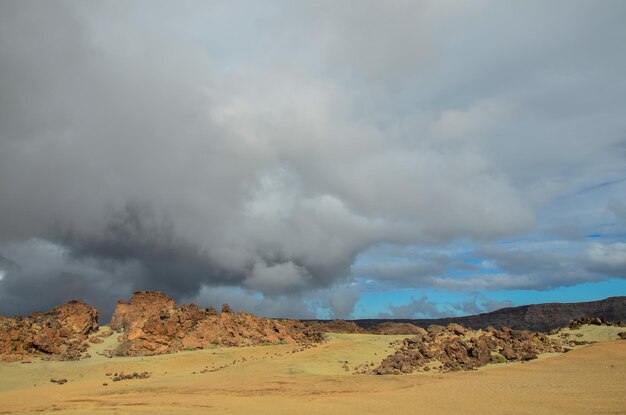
<point x="536" y="317"/>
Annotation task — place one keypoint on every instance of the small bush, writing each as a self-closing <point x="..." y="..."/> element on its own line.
<point x="498" y="358"/>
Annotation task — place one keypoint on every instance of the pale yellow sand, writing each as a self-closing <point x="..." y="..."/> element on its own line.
<point x="273" y="380"/>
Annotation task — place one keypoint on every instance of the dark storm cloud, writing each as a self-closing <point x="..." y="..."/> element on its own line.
<point x="190" y="146"/>
<point x="167" y="263"/>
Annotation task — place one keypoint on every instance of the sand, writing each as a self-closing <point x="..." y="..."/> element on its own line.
<point x="282" y="380"/>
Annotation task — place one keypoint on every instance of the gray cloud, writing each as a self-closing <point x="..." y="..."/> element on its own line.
<point x="424" y="308"/>
<point x="532" y="268"/>
<point x="618" y="208"/>
<point x="343" y="300"/>
<point x="416" y="308"/>
<point x="264" y="148"/>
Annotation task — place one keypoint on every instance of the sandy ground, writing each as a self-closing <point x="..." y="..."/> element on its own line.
<point x="282" y="380"/>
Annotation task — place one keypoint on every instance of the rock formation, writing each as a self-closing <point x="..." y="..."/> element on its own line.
<point x="60" y="334"/>
<point x="152" y="324"/>
<point x="454" y="347"/>
<point x="594" y="321"/>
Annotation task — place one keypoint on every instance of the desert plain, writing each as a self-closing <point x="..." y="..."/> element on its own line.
<point x="289" y="379"/>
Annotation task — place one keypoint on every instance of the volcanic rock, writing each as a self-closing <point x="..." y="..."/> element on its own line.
<point x="153" y="324"/>
<point x="59" y="334"/>
<point x="454" y="347"/>
<point x="594" y="321"/>
<point x="58" y="381"/>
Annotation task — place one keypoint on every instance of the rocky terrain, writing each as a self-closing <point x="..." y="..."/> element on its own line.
<point x="535" y="317"/>
<point x="454" y="348"/>
<point x="60" y="334"/>
<point x="594" y="321"/>
<point x="151" y="323"/>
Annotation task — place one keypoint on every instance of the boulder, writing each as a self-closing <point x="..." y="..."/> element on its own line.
<point x="59" y="334"/>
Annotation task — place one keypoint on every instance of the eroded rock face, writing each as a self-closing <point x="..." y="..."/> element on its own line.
<point x="454" y="347"/>
<point x="153" y="324"/>
<point x="60" y="334"/>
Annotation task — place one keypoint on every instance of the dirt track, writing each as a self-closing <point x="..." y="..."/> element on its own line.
<point x="274" y="380"/>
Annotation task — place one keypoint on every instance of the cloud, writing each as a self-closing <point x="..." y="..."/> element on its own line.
<point x="277" y="278"/>
<point x="618" y="208"/>
<point x="264" y="148"/>
<point x="480" y="304"/>
<point x="41" y="275"/>
<point x="416" y="308"/>
<point x="608" y="260"/>
<point x="293" y="306"/>
<point x="423" y="307"/>
<point x="538" y="266"/>
<point x="343" y="300"/>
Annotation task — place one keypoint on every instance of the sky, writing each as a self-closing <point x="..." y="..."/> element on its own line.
<point x="313" y="159"/>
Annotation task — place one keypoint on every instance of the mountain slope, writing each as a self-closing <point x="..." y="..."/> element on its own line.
<point x="536" y="317"/>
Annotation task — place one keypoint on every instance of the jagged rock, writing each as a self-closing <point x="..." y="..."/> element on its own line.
<point x="58" y="381"/>
<point x="456" y="329"/>
<point x="508" y="353"/>
<point x="153" y="324"/>
<point x="434" y="329"/>
<point x="226" y="309"/>
<point x="135" y="375"/>
<point x="595" y="321"/>
<point x="454" y="348"/>
<point x="59" y="334"/>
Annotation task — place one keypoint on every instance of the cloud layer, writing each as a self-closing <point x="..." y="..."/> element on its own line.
<point x="257" y="150"/>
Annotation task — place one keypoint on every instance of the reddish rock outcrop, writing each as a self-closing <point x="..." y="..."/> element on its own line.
<point x="60" y="334"/>
<point x="153" y="324"/>
<point x="454" y="347"/>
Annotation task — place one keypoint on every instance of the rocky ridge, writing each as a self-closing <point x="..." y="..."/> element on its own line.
<point x="151" y="323"/>
<point x="59" y="334"/>
<point x="454" y="348"/>
<point x="535" y="317"/>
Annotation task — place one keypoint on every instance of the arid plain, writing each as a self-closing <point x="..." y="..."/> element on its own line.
<point x="287" y="379"/>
